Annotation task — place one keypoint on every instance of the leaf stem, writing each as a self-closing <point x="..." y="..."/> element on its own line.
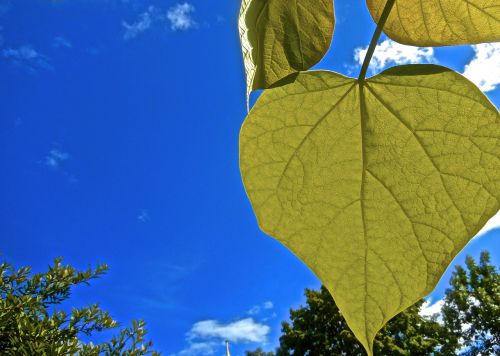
<point x="376" y="35"/>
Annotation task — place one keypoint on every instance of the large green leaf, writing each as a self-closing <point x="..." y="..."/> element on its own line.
<point x="440" y="22"/>
<point x="279" y="37"/>
<point x="376" y="187"/>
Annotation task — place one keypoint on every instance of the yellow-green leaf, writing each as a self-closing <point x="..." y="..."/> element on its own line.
<point x="279" y="37"/>
<point x="376" y="187"/>
<point x="440" y="22"/>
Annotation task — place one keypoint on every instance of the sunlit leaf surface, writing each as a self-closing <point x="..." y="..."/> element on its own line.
<point x="440" y="22"/>
<point x="376" y="187"/>
<point x="279" y="37"/>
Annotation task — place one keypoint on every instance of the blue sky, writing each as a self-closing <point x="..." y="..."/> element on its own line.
<point x="119" y="144"/>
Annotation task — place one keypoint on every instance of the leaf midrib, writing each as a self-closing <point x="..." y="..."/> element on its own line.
<point x="364" y="118"/>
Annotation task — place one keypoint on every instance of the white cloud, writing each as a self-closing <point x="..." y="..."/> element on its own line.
<point x="142" y="24"/>
<point x="429" y="309"/>
<point x="143" y="216"/>
<point x="256" y="309"/>
<point x="61" y="42"/>
<point x="272" y="316"/>
<point x="244" y="330"/>
<point x="55" y="158"/>
<point x="180" y="17"/>
<point x="26" y="56"/>
<point x="389" y="53"/>
<point x="493" y="223"/>
<point x="474" y="301"/>
<point x="207" y="337"/>
<point x="200" y="348"/>
<point x="484" y="68"/>
<point x="268" y="305"/>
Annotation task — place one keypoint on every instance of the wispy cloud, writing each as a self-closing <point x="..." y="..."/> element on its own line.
<point x="493" y="223"/>
<point x="55" y="158"/>
<point x="144" y="22"/>
<point x="27" y="57"/>
<point x="143" y="216"/>
<point x="389" y="53"/>
<point x="484" y="68"/>
<point x="257" y="309"/>
<point x="180" y="17"/>
<point x="164" y="295"/>
<point x="268" y="305"/>
<point x="200" y="348"/>
<point x="61" y="42"/>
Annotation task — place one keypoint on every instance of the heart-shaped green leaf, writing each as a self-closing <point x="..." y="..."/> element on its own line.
<point x="375" y="186"/>
<point x="279" y="37"/>
<point x="440" y="22"/>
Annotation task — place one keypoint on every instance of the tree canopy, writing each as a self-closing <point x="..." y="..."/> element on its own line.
<point x="469" y="323"/>
<point x="471" y="310"/>
<point x="319" y="328"/>
<point x="31" y="325"/>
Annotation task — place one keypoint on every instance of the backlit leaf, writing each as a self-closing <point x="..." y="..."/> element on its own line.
<point x="440" y="22"/>
<point x="376" y="187"/>
<point x="279" y="37"/>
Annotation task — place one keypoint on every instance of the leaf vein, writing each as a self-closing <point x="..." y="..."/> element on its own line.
<point x="393" y="113"/>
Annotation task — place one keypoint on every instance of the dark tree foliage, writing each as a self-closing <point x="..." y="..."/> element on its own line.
<point x="320" y="329"/>
<point x="258" y="352"/>
<point x="468" y="325"/>
<point x="472" y="308"/>
<point x="30" y="325"/>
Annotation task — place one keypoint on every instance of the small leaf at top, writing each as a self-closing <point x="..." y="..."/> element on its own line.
<point x="375" y="186"/>
<point x="280" y="37"/>
<point x="440" y="22"/>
